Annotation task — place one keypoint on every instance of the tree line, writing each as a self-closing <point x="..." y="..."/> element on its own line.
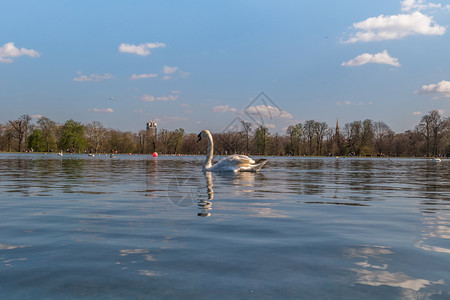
<point x="431" y="137"/>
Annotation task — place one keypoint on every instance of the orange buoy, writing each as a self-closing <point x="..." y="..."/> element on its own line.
<point x="155" y="154"/>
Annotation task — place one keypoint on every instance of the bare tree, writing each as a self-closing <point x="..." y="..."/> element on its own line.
<point x="309" y="132"/>
<point x="21" y="128"/>
<point x="431" y="127"/>
<point x="295" y="133"/>
<point x="247" y="129"/>
<point x="381" y="132"/>
<point x="320" y="129"/>
<point x="95" y="135"/>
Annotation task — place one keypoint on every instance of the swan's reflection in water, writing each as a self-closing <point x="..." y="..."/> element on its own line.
<point x="243" y="183"/>
<point x="205" y="204"/>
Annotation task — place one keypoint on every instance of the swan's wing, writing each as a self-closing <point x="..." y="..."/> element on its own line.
<point x="238" y="163"/>
<point x="240" y="160"/>
<point x="232" y="163"/>
<point x="254" y="167"/>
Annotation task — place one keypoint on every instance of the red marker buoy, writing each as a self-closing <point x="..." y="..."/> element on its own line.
<point x="155" y="154"/>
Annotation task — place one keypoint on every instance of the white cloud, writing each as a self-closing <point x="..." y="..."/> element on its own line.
<point x="347" y="102"/>
<point x="103" y="110"/>
<point x="92" y="77"/>
<point x="367" y="58"/>
<point x="441" y="88"/>
<point x="170" y="119"/>
<point x="409" y="5"/>
<point x="169" y="70"/>
<point x="171" y="97"/>
<point x="143" y="76"/>
<point x="395" y="27"/>
<point x="8" y="51"/>
<point x="417" y="113"/>
<point x="147" y="98"/>
<point x="36" y="116"/>
<point x="224" y="108"/>
<point x="142" y="49"/>
<point x="267" y="111"/>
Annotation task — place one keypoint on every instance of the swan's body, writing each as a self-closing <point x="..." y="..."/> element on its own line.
<point x="436" y="159"/>
<point x="232" y="163"/>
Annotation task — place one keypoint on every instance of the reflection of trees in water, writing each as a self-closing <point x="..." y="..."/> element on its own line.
<point x="350" y="179"/>
<point x="37" y="176"/>
<point x="431" y="183"/>
<point x="435" y="203"/>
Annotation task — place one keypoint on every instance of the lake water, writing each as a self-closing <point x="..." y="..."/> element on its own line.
<point x="138" y="227"/>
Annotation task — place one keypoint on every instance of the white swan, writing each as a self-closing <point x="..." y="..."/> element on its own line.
<point x="232" y="163"/>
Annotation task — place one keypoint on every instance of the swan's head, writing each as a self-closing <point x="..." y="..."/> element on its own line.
<point x="203" y="134"/>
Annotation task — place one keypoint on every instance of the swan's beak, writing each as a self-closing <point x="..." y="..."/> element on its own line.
<point x="199" y="137"/>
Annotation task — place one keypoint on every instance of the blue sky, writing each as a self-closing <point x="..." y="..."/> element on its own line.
<point x="199" y="64"/>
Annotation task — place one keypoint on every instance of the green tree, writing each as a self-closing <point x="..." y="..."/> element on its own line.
<point x="36" y="141"/>
<point x="246" y="130"/>
<point x="367" y="137"/>
<point x="176" y="140"/>
<point x="261" y="138"/>
<point x="72" y="136"/>
<point x="48" y="128"/>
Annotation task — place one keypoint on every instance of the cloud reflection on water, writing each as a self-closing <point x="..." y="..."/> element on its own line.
<point x="435" y="230"/>
<point x="372" y="269"/>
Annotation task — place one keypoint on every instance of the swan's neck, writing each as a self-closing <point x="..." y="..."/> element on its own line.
<point x="209" y="153"/>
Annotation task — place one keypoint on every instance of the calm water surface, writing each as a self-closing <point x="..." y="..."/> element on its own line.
<point x="135" y="227"/>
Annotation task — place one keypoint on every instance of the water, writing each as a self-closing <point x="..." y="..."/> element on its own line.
<point x="135" y="227"/>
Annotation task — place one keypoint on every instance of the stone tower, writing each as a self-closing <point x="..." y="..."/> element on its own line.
<point x="152" y="128"/>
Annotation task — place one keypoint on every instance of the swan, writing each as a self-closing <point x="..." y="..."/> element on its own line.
<point x="232" y="163"/>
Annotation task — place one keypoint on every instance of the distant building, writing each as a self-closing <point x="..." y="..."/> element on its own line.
<point x="338" y="141"/>
<point x="152" y="128"/>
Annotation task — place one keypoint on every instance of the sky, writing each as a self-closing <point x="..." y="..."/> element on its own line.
<point x="210" y="64"/>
